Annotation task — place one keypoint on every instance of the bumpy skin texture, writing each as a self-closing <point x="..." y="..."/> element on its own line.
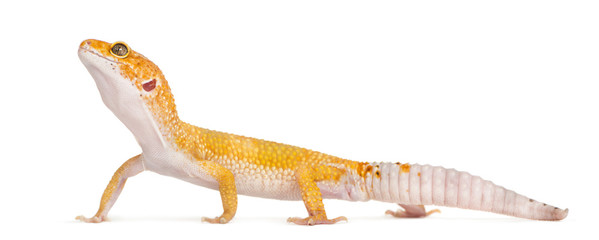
<point x="136" y="91"/>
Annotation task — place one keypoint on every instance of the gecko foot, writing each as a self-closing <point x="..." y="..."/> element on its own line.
<point x="313" y="220"/>
<point x="411" y="211"/>
<point x="219" y="220"/>
<point x="93" y="219"/>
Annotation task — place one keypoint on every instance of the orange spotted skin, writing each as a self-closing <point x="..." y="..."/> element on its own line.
<point x="218" y="146"/>
<point x="405" y="168"/>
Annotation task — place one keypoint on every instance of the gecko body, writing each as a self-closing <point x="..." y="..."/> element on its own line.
<point x="136" y="91"/>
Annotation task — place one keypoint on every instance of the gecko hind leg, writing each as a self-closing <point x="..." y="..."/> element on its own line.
<point x="312" y="199"/>
<point x="226" y="187"/>
<point x="411" y="211"/>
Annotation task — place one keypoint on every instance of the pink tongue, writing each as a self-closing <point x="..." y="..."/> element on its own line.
<point x="149" y="86"/>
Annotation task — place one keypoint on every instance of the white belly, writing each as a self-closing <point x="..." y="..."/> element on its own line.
<point x="250" y="180"/>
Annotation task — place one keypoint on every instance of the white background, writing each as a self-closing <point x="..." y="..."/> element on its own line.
<point x="507" y="90"/>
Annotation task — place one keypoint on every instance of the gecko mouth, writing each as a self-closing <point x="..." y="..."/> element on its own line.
<point x="99" y="55"/>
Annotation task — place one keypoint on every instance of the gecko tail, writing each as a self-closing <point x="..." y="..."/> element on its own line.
<point x="416" y="184"/>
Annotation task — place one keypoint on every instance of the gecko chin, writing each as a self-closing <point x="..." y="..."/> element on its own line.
<point x="117" y="93"/>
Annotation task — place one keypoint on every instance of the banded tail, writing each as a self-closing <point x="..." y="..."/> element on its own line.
<point x="415" y="184"/>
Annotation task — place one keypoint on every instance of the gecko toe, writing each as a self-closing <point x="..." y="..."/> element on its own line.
<point x="216" y="220"/>
<point x="93" y="219"/>
<point x="314" y="220"/>
<point x="411" y="211"/>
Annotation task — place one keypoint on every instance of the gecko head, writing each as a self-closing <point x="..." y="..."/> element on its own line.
<point x="129" y="83"/>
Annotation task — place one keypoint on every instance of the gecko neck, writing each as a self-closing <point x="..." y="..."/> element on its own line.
<point x="165" y="122"/>
<point x="175" y="133"/>
<point x="178" y="135"/>
<point x="152" y="131"/>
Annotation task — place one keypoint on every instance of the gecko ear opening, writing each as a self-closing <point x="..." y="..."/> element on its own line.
<point x="149" y="85"/>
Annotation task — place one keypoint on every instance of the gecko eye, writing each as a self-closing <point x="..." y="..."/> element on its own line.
<point x="119" y="49"/>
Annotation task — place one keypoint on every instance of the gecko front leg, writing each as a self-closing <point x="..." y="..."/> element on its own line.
<point x="226" y="187"/>
<point x="312" y="198"/>
<point x="130" y="168"/>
